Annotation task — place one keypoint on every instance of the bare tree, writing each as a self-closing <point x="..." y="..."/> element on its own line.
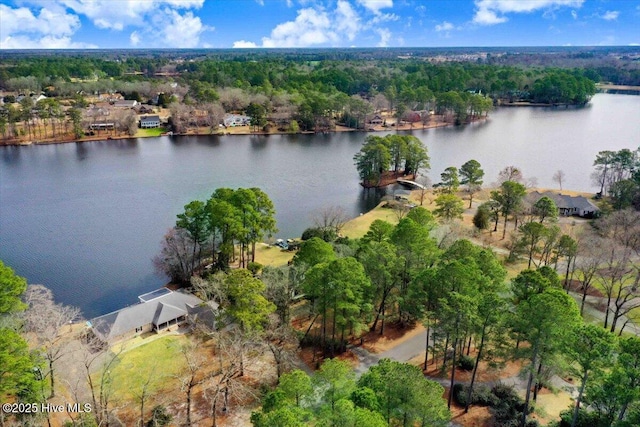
<point x="97" y="361"/>
<point x="193" y="374"/>
<point x="622" y="233"/>
<point x="510" y="173"/>
<point x="131" y="123"/>
<point x="282" y="342"/>
<point x="145" y="390"/>
<point x="211" y="288"/>
<point x="559" y="177"/>
<point x="425" y="182"/>
<point x="233" y="99"/>
<point x="380" y="102"/>
<point x="331" y="218"/>
<point x="588" y="262"/>
<point x="215" y="115"/>
<point x="44" y="318"/>
<point x="176" y="255"/>
<point x="225" y="384"/>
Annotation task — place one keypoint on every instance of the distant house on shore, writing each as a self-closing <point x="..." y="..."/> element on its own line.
<point x="567" y="205"/>
<point x="157" y="311"/>
<point x="149" y="122"/>
<point x="127" y="103"/>
<point x="232" y="120"/>
<point x="375" y="120"/>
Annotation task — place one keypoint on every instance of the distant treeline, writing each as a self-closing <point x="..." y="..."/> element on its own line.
<point x="617" y="65"/>
<point x="410" y="83"/>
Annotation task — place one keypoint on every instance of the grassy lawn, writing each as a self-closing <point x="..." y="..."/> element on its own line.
<point x="159" y="359"/>
<point x="359" y="226"/>
<point x="273" y="256"/>
<point x="144" y="133"/>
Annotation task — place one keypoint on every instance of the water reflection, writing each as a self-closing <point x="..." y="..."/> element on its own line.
<point x="86" y="220"/>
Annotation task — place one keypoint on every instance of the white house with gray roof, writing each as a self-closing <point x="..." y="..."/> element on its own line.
<point x="156" y="311"/>
<point x="567" y="205"/>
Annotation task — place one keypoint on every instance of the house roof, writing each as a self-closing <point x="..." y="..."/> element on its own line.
<point x="126" y="103"/>
<point x="155" y="311"/>
<point x="564" y="201"/>
<point x="149" y="119"/>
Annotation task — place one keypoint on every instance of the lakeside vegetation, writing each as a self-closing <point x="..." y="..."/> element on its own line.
<point x="307" y="92"/>
<point x="401" y="267"/>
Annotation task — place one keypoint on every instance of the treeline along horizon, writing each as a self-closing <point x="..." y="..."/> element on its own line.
<point x="357" y="72"/>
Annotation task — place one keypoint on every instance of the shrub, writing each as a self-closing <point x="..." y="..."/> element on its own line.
<point x="481" y="395"/>
<point x="460" y="393"/>
<point x="254" y="267"/>
<point x="159" y="417"/>
<point x="466" y="363"/>
<point x="326" y="234"/>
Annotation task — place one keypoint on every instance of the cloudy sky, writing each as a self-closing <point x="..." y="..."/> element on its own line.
<point x="315" y="23"/>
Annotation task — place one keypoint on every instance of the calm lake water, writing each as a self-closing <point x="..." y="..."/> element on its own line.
<point x="85" y="219"/>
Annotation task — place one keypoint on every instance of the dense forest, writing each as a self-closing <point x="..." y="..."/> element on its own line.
<point x="292" y="90"/>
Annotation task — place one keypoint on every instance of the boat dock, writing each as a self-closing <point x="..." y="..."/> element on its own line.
<point x="410" y="183"/>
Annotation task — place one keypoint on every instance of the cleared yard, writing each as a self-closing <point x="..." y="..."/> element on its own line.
<point x="160" y="360"/>
<point x="272" y="255"/>
<point x="145" y="133"/>
<point x="358" y="227"/>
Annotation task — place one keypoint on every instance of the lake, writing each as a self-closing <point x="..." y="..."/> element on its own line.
<point x="85" y="219"/>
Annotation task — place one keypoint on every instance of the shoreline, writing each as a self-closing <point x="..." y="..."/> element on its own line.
<point x="246" y="130"/>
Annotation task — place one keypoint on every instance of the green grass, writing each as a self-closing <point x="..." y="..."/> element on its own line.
<point x="159" y="359"/>
<point x="272" y="256"/>
<point x="145" y="133"/>
<point x="358" y="227"/>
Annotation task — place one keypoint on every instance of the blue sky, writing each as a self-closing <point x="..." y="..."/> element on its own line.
<point x="316" y="23"/>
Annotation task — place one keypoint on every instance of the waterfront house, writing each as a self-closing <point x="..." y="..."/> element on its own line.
<point x="375" y="120"/>
<point x="127" y="103"/>
<point x="567" y="205"/>
<point x="232" y="120"/>
<point x="149" y="122"/>
<point x="156" y="311"/>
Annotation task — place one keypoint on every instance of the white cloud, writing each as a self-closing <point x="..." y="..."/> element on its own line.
<point x="260" y="2"/>
<point x="23" y="20"/>
<point x="385" y="17"/>
<point x="318" y="25"/>
<point x="105" y="14"/>
<point x="45" y="42"/>
<point x="242" y="44"/>
<point x="610" y="15"/>
<point x="487" y="17"/>
<point x="376" y="5"/>
<point x="490" y="12"/>
<point x="182" y="31"/>
<point x="134" y="38"/>
<point x="385" y="36"/>
<point x="347" y="21"/>
<point x="445" y="26"/>
<point x="20" y="28"/>
<point x="313" y="26"/>
<point x="52" y="23"/>
<point x="574" y="14"/>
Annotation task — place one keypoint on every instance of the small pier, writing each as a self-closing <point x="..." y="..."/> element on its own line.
<point x="408" y="183"/>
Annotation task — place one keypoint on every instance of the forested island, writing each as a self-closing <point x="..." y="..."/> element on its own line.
<point x="94" y="95"/>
